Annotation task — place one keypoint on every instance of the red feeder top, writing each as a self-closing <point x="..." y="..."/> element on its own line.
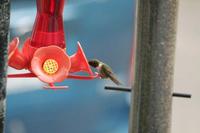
<point x="48" y="28"/>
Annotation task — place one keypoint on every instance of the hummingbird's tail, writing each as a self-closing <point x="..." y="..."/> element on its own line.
<point x="114" y="79"/>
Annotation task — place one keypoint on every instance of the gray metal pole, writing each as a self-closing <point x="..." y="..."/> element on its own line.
<point x="4" y="32"/>
<point x="154" y="62"/>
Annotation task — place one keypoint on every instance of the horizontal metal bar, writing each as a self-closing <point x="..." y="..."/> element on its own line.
<point x="116" y="88"/>
<point x="127" y="89"/>
<point x="181" y="95"/>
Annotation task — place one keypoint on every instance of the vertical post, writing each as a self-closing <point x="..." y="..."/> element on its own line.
<point x="154" y="61"/>
<point x="4" y="32"/>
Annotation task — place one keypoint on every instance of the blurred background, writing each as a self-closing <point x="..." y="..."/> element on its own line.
<point x="105" y="29"/>
<point x="186" y="117"/>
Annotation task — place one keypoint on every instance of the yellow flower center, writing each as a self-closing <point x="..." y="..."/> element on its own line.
<point x="50" y="66"/>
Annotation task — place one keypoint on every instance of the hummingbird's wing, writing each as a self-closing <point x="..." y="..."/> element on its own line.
<point x="107" y="71"/>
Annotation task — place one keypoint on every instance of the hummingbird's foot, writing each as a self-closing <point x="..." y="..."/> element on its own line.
<point x="98" y="75"/>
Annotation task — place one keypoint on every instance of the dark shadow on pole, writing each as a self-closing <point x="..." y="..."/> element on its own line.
<point x="4" y="32"/>
<point x="151" y="100"/>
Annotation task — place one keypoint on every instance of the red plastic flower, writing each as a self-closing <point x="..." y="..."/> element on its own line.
<point x="15" y="58"/>
<point x="50" y="64"/>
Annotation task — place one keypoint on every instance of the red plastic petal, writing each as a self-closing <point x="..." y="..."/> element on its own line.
<point x="79" y="62"/>
<point x="28" y="50"/>
<point x="15" y="58"/>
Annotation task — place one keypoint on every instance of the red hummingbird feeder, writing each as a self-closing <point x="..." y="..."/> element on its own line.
<point x="43" y="54"/>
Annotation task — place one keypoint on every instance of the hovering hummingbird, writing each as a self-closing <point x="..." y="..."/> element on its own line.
<point x="104" y="70"/>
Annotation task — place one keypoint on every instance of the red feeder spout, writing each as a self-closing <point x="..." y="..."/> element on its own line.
<point x="48" y="28"/>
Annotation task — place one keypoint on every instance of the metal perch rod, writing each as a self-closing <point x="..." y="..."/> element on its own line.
<point x="126" y="89"/>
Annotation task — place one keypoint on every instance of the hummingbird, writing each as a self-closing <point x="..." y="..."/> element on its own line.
<point x="104" y="70"/>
